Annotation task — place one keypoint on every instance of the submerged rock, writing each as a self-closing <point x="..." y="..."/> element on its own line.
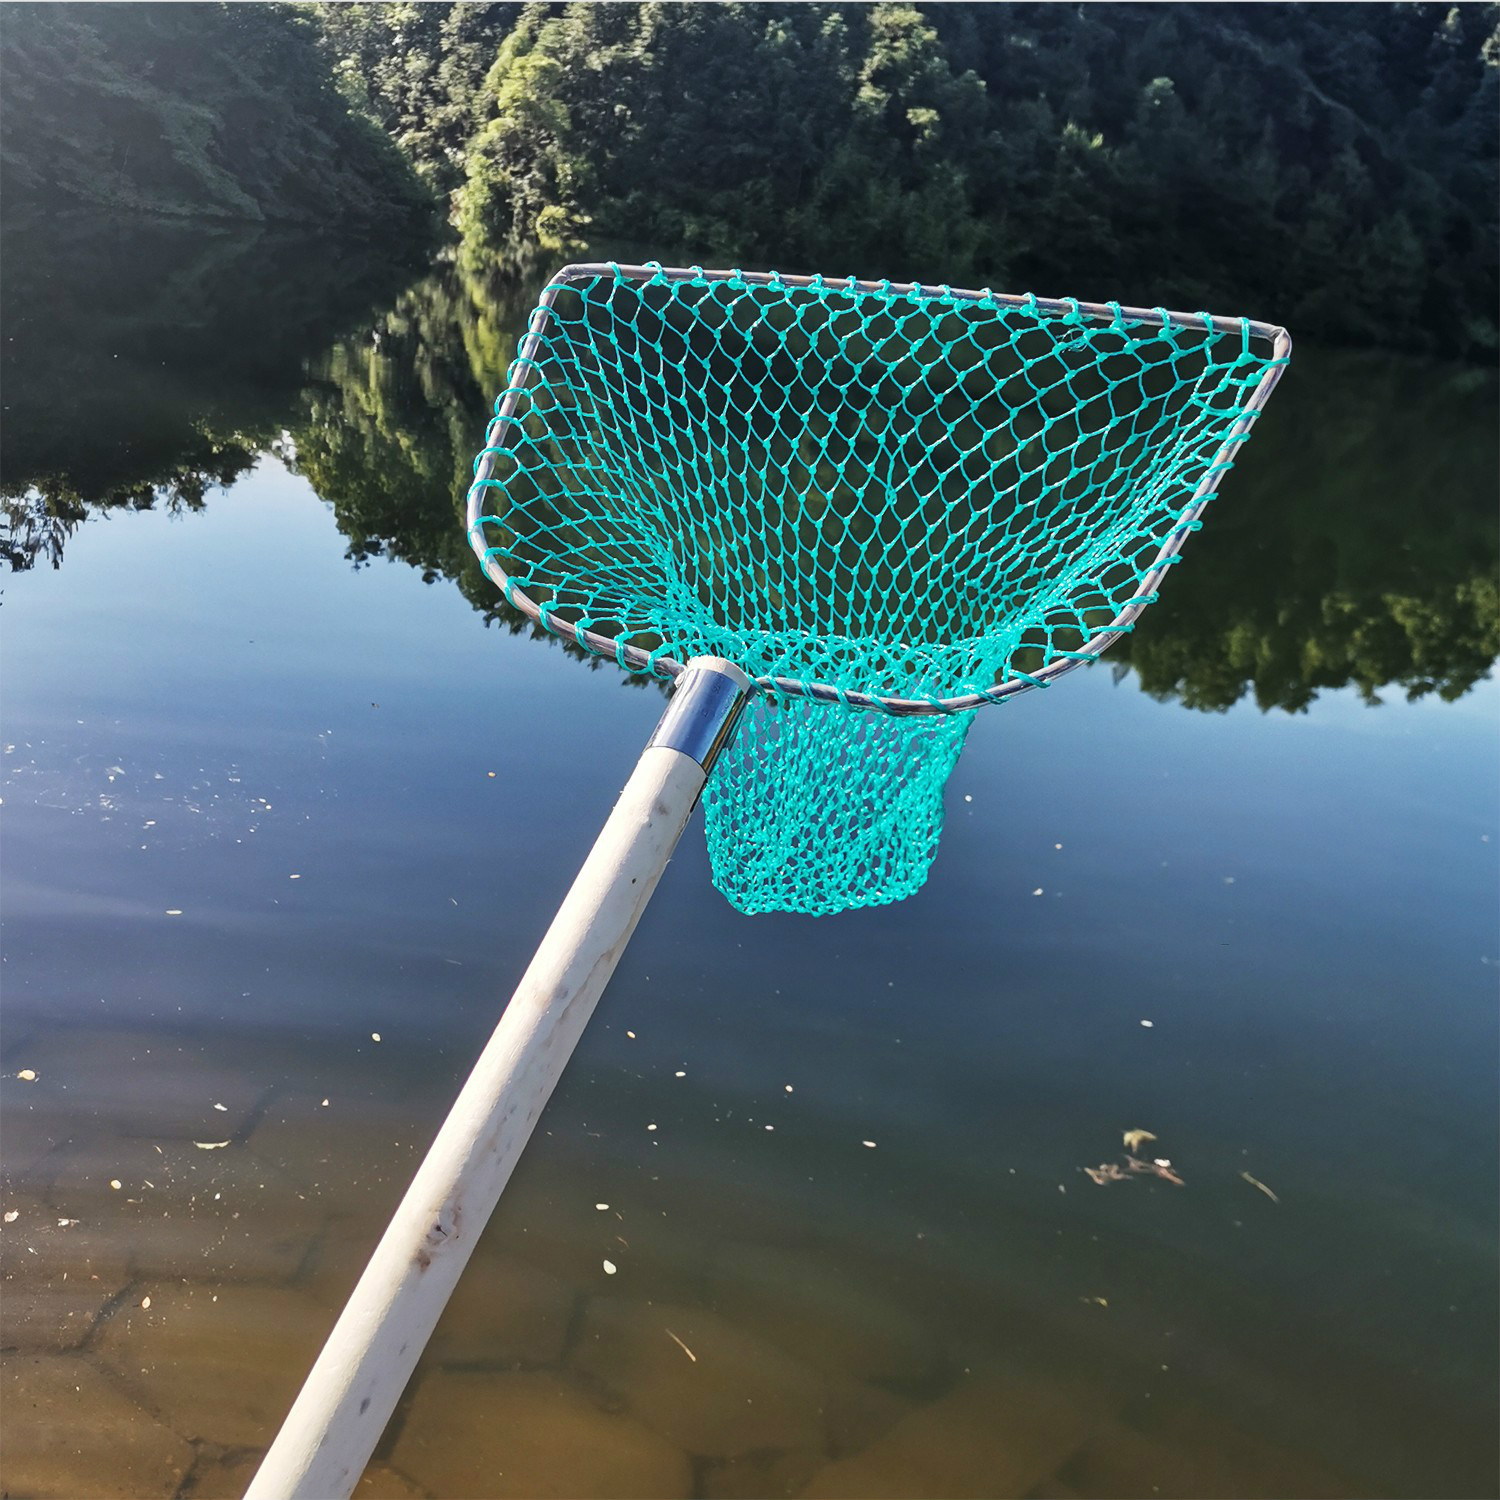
<point x="531" y="1437"/>
<point x="170" y="1209"/>
<point x="505" y="1311"/>
<point x="222" y="1371"/>
<point x="1198" y="1456"/>
<point x="823" y="1312"/>
<point x="713" y="1388"/>
<point x="229" y="1478"/>
<point x="58" y="1276"/>
<point x="70" y="1430"/>
<point x="990" y="1436"/>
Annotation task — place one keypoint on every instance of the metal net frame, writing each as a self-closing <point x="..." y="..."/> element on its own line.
<point x="888" y="504"/>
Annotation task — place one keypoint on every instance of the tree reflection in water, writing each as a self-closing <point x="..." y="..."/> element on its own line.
<point x="1356" y="543"/>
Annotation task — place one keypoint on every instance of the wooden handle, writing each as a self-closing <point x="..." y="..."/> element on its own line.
<point x="348" y="1397"/>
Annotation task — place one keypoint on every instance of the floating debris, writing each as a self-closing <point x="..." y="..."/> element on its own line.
<point x="1148" y="1024"/>
<point x="870" y="1144"/>
<point x="1255" y="1182"/>
<point x="207" y="1146"/>
<point x="11" y="1215"/>
<point x="1135" y="1138"/>
<point x="115" y="1184"/>
<point x="374" y="1036"/>
<point x="27" y="1075"/>
<point x="682" y="1346"/>
<point x="602" y="1207"/>
<point x="1118" y="1171"/>
<point x="145" y="1302"/>
<point x="1155" y="1169"/>
<point x="222" y="1108"/>
<point x="174" y="911"/>
<point x="610" y="1268"/>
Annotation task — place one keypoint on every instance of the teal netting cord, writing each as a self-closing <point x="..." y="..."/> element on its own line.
<point x="909" y="493"/>
<point x="819" y="809"/>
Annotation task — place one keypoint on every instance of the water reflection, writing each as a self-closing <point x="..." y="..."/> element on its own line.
<point x="256" y="814"/>
<point x="1357" y="543"/>
<point x="146" y="363"/>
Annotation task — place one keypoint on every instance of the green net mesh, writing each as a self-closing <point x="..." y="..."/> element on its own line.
<point x="907" y="493"/>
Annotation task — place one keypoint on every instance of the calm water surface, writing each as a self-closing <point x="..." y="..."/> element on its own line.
<point x="281" y="778"/>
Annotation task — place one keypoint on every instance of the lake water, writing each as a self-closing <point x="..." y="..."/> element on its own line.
<point x="289" y="800"/>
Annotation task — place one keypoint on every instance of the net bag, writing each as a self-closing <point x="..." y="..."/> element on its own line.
<point x="888" y="504"/>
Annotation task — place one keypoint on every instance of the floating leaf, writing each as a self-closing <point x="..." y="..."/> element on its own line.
<point x="1134" y="1139"/>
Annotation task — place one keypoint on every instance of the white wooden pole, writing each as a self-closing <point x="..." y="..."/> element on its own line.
<point x="336" y="1421"/>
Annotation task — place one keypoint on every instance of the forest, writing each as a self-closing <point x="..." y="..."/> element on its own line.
<point x="191" y="274"/>
<point x="1330" y="168"/>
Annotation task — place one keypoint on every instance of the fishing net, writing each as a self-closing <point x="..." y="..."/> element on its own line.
<point x="888" y="505"/>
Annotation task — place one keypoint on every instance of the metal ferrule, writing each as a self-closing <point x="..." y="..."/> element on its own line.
<point x="709" y="696"/>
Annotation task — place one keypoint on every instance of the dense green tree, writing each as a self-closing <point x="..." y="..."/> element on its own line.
<point x="774" y="131"/>
<point x="418" y="71"/>
<point x="1331" y="167"/>
<point x="203" y="110"/>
